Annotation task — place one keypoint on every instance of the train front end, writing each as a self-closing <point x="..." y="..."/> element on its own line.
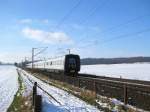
<point x="72" y="64"/>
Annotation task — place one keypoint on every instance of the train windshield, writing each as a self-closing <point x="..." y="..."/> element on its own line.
<point x="72" y="61"/>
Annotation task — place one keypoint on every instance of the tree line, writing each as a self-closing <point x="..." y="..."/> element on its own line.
<point x="90" y="61"/>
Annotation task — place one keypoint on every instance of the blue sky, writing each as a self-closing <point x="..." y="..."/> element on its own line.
<point x="90" y="28"/>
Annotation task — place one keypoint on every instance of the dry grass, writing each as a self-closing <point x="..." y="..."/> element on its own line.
<point x="21" y="103"/>
<point x="87" y="95"/>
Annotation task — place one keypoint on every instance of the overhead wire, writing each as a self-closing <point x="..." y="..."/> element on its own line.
<point x="90" y="14"/>
<point x="117" y="37"/>
<point x="68" y="14"/>
<point x="58" y="25"/>
<point x="92" y="11"/>
<point x="95" y="42"/>
<point x="117" y="26"/>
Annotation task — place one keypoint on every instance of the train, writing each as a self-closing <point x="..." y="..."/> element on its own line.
<point x="68" y="64"/>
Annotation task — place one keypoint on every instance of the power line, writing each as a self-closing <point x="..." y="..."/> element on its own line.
<point x="93" y="11"/>
<point x="117" y="37"/>
<point x="122" y="24"/>
<point x="68" y="14"/>
<point x="117" y="26"/>
<point x="33" y="53"/>
<point x="44" y="48"/>
<point x="126" y="35"/>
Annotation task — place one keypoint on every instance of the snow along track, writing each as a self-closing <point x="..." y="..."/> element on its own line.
<point x="48" y="103"/>
<point x="138" y="71"/>
<point x="67" y="102"/>
<point x="8" y="86"/>
<point x="39" y="87"/>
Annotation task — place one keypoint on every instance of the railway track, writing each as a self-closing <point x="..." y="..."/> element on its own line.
<point x="132" y="92"/>
<point x="31" y="81"/>
<point x="116" y="79"/>
<point x="145" y="85"/>
<point x="66" y="108"/>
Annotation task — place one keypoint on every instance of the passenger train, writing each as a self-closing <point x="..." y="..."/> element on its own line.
<point x="68" y="64"/>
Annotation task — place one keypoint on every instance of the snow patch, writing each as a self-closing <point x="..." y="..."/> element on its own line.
<point x="67" y="101"/>
<point x="138" y="71"/>
<point x="8" y="86"/>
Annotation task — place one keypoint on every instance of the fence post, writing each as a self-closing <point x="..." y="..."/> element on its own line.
<point x="94" y="87"/>
<point x="34" y="93"/>
<point x="38" y="103"/>
<point x="79" y="82"/>
<point x="125" y="95"/>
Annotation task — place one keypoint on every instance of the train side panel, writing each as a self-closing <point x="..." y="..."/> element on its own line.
<point x="68" y="64"/>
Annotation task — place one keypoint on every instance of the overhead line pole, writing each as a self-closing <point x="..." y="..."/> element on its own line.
<point x="33" y="55"/>
<point x="69" y="51"/>
<point x="44" y="48"/>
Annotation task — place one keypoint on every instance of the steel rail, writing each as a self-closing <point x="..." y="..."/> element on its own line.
<point x="41" y="88"/>
<point x="129" y="84"/>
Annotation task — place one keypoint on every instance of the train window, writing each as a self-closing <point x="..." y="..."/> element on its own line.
<point x="72" y="61"/>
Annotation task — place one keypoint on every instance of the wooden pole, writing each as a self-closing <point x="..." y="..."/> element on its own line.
<point x="94" y="88"/>
<point x="125" y="95"/>
<point x="38" y="103"/>
<point x="32" y="57"/>
<point x="34" y="93"/>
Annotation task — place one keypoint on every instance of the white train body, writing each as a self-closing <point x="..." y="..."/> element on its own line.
<point x="55" y="63"/>
<point x="68" y="63"/>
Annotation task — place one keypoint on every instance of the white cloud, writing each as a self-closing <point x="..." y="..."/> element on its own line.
<point x="25" y="21"/>
<point x="47" y="37"/>
<point x="33" y="21"/>
<point x="45" y="21"/>
<point x="85" y="27"/>
<point x="13" y="56"/>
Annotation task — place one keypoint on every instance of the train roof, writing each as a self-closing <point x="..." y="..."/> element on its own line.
<point x="55" y="58"/>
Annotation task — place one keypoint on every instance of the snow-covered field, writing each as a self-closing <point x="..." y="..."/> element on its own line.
<point x="67" y="102"/>
<point x="139" y="71"/>
<point x="8" y="86"/>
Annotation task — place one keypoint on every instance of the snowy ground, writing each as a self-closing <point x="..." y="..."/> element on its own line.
<point x="65" y="101"/>
<point x="8" y="86"/>
<point x="139" y="71"/>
